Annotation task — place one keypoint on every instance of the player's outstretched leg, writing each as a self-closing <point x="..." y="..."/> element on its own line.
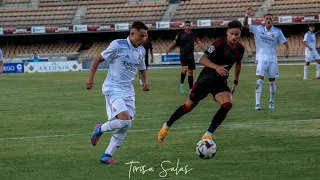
<point x="107" y="127"/>
<point x="258" y="93"/>
<point x="182" y="110"/>
<point x="183" y="76"/>
<point x="305" y="72"/>
<point x="190" y="79"/>
<point x="224" y="99"/>
<point x="272" y="92"/>
<point x="115" y="142"/>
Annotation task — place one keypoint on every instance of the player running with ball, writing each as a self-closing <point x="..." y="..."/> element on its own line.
<point x="125" y="57"/>
<point x="218" y="59"/>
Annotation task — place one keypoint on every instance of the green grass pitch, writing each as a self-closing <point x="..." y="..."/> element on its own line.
<point x="46" y="120"/>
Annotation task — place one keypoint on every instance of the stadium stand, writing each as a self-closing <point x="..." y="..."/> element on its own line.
<point x="214" y="9"/>
<point x="295" y="7"/>
<point x="11" y="51"/>
<point x="18" y="17"/>
<point x="125" y="12"/>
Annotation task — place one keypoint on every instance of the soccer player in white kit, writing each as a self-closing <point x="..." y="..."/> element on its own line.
<point x="1" y="61"/>
<point x="266" y="39"/>
<point x="125" y="57"/>
<point x="311" y="52"/>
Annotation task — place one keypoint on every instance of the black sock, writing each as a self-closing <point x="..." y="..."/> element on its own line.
<point x="190" y="81"/>
<point x="183" y="76"/>
<point x="182" y="110"/>
<point x="219" y="116"/>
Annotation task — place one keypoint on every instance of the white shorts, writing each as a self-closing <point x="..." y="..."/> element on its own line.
<point x="117" y="104"/>
<point x="312" y="57"/>
<point x="266" y="66"/>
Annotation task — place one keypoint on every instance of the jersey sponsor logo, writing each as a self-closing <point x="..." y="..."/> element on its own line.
<point x="130" y="66"/>
<point x="211" y="48"/>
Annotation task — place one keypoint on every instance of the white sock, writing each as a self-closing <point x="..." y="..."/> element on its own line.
<point x="141" y="82"/>
<point x="305" y="73"/>
<point x="165" y="125"/>
<point x="318" y="70"/>
<point x="272" y="90"/>
<point x="115" y="124"/>
<point x="258" y="90"/>
<point x="116" y="140"/>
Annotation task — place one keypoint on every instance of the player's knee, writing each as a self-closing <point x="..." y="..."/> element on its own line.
<point x="272" y="79"/>
<point x="227" y="105"/>
<point x="187" y="108"/>
<point x="259" y="81"/>
<point x="125" y="123"/>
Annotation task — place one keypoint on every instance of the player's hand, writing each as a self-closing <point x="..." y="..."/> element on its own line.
<point x="249" y="11"/>
<point x="222" y="70"/>
<point x="233" y="90"/>
<point x="287" y="53"/>
<point x="145" y="86"/>
<point x="89" y="84"/>
<point x="167" y="51"/>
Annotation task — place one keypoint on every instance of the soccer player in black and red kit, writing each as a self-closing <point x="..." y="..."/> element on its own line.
<point x="218" y="59"/>
<point x="186" y="39"/>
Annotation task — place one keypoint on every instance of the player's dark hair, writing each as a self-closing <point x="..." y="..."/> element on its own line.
<point x="311" y="25"/>
<point x="234" y="24"/>
<point x="268" y="15"/>
<point x="187" y="22"/>
<point x="139" y="25"/>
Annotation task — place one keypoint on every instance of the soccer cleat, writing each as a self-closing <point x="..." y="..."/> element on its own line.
<point x="318" y="77"/>
<point x="271" y="105"/>
<point x="162" y="133"/>
<point x="307" y="79"/>
<point x="107" y="159"/>
<point x="207" y="136"/>
<point x="182" y="88"/>
<point x="258" y="107"/>
<point x="96" y="134"/>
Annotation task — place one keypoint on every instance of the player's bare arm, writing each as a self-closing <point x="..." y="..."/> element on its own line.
<point x="143" y="75"/>
<point x="174" y="42"/>
<point x="220" y="69"/>
<point x="1" y="66"/>
<point x="245" y="20"/>
<point x="93" y="70"/>
<point x="237" y="71"/>
<point x="287" y="49"/>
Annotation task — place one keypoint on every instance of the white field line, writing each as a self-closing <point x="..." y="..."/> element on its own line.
<point x="144" y="130"/>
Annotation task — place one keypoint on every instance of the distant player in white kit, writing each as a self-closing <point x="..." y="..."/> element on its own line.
<point x="266" y="39"/>
<point x="125" y="57"/>
<point x="311" y="52"/>
<point x="1" y="61"/>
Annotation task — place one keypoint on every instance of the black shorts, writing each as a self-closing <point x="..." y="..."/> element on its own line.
<point x="200" y="90"/>
<point x="188" y="62"/>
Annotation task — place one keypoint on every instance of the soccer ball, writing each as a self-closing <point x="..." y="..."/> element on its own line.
<point x="206" y="149"/>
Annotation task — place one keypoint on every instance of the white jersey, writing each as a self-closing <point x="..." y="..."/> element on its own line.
<point x="266" y="42"/>
<point x="310" y="38"/>
<point x="124" y="61"/>
<point x="1" y="56"/>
